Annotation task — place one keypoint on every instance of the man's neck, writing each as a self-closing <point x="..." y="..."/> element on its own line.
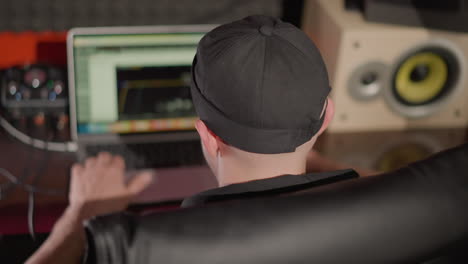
<point x="232" y="171"/>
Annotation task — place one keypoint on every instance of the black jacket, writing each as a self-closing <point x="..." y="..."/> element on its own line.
<point x="407" y="216"/>
<point x="281" y="185"/>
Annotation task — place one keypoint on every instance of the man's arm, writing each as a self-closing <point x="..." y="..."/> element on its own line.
<point x="97" y="187"/>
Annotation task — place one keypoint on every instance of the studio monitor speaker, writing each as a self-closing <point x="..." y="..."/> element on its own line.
<point x="389" y="77"/>
<point x="387" y="150"/>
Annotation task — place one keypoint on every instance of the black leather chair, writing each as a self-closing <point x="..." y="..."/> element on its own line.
<point x="413" y="215"/>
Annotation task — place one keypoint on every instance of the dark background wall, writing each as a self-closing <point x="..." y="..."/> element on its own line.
<point x="59" y="15"/>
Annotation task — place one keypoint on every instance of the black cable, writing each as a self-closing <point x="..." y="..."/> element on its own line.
<point x="14" y="181"/>
<point x="24" y="176"/>
<point x="39" y="174"/>
<point x="28" y="187"/>
<point x="20" y="181"/>
<point x="31" y="189"/>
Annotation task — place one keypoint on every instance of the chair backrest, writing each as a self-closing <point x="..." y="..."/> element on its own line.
<point x="410" y="215"/>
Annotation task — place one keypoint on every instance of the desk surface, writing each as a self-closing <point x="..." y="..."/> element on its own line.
<point x="50" y="170"/>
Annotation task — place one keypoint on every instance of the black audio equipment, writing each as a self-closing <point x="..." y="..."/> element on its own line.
<point x="34" y="105"/>
<point x="34" y="88"/>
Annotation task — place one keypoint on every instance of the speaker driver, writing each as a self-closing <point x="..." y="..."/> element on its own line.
<point x="425" y="79"/>
<point x="421" y="78"/>
<point x="402" y="155"/>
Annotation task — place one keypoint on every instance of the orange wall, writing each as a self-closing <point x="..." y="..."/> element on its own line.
<point x="32" y="47"/>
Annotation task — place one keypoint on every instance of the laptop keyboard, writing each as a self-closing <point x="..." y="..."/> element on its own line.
<point x="154" y="155"/>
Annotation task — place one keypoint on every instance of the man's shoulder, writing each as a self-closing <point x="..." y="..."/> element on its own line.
<point x="268" y="187"/>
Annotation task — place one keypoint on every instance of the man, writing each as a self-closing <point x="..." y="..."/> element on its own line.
<point x="260" y="88"/>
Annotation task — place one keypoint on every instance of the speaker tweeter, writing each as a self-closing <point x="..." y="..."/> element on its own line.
<point x="368" y="80"/>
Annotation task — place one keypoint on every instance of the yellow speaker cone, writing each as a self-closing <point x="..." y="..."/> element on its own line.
<point x="421" y="77"/>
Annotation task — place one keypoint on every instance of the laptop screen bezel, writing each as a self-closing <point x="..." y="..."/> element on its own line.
<point x="133" y="30"/>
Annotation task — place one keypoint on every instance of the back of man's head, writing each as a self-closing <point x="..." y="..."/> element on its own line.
<point x="260" y="85"/>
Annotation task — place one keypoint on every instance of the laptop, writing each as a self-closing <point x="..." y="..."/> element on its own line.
<point x="130" y="95"/>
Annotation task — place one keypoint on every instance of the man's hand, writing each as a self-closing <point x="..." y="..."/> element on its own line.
<point x="98" y="186"/>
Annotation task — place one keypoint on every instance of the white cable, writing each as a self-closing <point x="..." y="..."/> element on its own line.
<point x="40" y="144"/>
<point x="9" y="176"/>
<point x="31" y="229"/>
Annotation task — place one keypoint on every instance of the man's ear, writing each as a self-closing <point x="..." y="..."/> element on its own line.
<point x="208" y="138"/>
<point x="329" y="113"/>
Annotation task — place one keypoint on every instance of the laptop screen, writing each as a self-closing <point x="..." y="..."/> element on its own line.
<point x="133" y="83"/>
